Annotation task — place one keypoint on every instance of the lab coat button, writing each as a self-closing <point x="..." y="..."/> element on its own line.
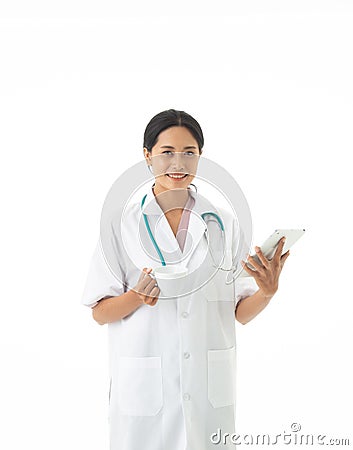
<point x="186" y="396"/>
<point x="184" y="314"/>
<point x="186" y="355"/>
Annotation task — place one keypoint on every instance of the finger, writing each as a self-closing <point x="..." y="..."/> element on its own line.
<point x="247" y="268"/>
<point x="145" y="282"/>
<point x="284" y="257"/>
<point x="261" y="256"/>
<point x="147" y="271"/>
<point x="143" y="273"/>
<point x="156" y="294"/>
<point x="254" y="263"/>
<point x="141" y="287"/>
<point x="279" y="248"/>
<point x="154" y="301"/>
<point x="152" y="295"/>
<point x="149" y="288"/>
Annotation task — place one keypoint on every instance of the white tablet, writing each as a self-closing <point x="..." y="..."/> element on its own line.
<point x="268" y="248"/>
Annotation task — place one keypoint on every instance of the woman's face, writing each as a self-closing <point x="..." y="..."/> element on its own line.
<point x="174" y="159"/>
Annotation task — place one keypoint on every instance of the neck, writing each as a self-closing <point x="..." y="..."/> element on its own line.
<point x="170" y="200"/>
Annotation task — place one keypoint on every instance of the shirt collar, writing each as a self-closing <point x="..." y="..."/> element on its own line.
<point x="201" y="205"/>
<point x="151" y="206"/>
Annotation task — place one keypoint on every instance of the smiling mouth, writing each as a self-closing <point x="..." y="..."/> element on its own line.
<point x="177" y="176"/>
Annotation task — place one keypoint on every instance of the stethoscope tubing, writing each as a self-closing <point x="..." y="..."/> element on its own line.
<point x="212" y="214"/>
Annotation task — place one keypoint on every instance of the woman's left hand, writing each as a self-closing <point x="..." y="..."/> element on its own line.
<point x="266" y="275"/>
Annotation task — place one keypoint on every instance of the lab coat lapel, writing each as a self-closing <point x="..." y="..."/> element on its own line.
<point x="167" y="241"/>
<point x="161" y="230"/>
<point x="164" y="235"/>
<point x="196" y="230"/>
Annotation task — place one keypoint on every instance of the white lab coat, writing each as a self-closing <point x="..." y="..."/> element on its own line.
<point x="173" y="365"/>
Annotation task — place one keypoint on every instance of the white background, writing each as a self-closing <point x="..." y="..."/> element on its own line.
<point x="270" y="83"/>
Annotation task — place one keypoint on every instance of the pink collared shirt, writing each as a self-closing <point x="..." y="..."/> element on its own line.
<point x="184" y="222"/>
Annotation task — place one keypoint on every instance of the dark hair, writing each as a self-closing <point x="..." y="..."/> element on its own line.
<point x="167" y="119"/>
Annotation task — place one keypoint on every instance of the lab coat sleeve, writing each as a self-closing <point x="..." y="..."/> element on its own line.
<point x="243" y="286"/>
<point x="101" y="283"/>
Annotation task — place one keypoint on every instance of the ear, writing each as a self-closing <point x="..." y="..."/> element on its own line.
<point x="146" y="153"/>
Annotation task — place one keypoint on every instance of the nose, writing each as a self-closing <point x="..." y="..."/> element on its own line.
<point x="178" y="161"/>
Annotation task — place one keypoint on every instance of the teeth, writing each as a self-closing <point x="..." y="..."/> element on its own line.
<point x="176" y="176"/>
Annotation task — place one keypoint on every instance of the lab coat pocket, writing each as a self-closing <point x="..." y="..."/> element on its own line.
<point x="221" y="377"/>
<point x="140" y="385"/>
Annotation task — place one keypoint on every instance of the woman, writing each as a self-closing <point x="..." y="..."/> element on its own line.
<point x="172" y="362"/>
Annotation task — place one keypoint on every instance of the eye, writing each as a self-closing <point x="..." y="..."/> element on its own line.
<point x="190" y="153"/>
<point x="166" y="152"/>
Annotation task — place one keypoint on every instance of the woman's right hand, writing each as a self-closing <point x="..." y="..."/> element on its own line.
<point x="146" y="288"/>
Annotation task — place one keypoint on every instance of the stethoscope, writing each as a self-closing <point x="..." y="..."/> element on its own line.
<point x="208" y="213"/>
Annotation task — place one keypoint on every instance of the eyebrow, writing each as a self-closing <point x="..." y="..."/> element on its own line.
<point x="185" y="148"/>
